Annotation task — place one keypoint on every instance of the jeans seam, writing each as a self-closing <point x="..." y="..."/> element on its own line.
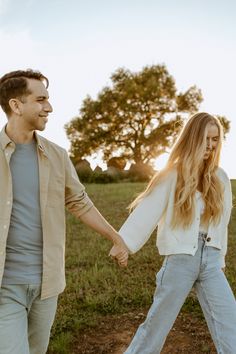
<point x="213" y="320"/>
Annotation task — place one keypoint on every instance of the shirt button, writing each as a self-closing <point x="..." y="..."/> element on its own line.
<point x="208" y="239"/>
<point x="8" y="202"/>
<point x="5" y="226"/>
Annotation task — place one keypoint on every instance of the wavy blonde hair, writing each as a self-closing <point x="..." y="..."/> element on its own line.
<point x="193" y="173"/>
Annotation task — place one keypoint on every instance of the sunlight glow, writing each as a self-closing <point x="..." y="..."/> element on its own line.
<point x="160" y="162"/>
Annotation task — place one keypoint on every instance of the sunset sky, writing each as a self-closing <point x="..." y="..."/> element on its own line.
<point x="78" y="44"/>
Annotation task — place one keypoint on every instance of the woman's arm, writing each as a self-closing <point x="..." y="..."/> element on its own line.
<point x="144" y="218"/>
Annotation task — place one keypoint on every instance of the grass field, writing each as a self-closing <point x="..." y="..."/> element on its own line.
<point x="96" y="286"/>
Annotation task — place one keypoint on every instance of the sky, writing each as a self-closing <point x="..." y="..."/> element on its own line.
<point x="79" y="44"/>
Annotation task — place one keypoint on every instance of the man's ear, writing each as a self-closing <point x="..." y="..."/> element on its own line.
<point x="15" y="105"/>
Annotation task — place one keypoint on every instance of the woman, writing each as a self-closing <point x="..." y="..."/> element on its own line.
<point x="190" y="201"/>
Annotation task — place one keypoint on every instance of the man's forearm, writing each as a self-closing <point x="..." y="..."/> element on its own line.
<point x="97" y="222"/>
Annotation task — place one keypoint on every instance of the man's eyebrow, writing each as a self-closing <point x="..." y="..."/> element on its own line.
<point x="42" y="96"/>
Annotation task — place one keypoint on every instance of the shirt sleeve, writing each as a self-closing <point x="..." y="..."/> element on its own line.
<point x="76" y="199"/>
<point x="227" y="214"/>
<point x="144" y="218"/>
<point x="228" y="199"/>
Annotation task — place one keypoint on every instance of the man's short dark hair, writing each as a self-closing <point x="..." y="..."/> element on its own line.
<point x="14" y="85"/>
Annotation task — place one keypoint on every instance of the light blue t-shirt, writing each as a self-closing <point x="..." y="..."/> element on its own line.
<point x="25" y="242"/>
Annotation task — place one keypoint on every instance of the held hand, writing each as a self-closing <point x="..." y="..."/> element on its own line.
<point x="120" y="253"/>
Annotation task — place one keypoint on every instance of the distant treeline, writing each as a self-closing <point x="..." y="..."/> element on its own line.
<point x="136" y="173"/>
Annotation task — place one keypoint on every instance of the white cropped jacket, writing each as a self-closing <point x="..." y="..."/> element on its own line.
<point x="156" y="210"/>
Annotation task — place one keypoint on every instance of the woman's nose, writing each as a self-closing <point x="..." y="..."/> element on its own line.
<point x="209" y="144"/>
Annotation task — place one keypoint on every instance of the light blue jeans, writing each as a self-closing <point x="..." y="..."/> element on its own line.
<point x="25" y="319"/>
<point x="177" y="276"/>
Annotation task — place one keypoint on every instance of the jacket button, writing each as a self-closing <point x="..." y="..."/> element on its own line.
<point x="208" y="239"/>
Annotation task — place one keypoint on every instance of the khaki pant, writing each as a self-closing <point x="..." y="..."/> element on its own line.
<point x="25" y="319"/>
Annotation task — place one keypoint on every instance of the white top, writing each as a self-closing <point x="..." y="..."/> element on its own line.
<point x="156" y="209"/>
<point x="202" y="227"/>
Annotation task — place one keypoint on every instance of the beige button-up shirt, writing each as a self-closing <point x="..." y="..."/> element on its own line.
<point x="59" y="187"/>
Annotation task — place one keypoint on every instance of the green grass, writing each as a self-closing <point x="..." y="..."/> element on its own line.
<point x="96" y="286"/>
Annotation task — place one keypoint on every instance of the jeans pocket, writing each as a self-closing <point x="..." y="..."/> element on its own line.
<point x="161" y="272"/>
<point x="4" y="295"/>
<point x="214" y="257"/>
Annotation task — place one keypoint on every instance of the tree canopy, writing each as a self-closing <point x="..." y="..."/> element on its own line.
<point x="136" y="119"/>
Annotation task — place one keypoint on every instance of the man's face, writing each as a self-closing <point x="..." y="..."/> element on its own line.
<point x="35" y="107"/>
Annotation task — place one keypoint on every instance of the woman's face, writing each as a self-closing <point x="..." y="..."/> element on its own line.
<point x="212" y="140"/>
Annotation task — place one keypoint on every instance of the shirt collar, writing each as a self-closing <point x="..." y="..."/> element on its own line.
<point x="40" y="144"/>
<point x="4" y="138"/>
<point x="5" y="141"/>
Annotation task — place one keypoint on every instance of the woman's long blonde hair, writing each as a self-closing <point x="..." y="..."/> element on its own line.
<point x="193" y="172"/>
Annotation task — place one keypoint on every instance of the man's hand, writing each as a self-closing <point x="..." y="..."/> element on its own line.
<point x="120" y="253"/>
<point x="96" y="221"/>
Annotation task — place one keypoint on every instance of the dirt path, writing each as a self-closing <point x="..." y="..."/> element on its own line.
<point x="188" y="336"/>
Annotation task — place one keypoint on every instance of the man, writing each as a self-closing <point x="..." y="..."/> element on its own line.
<point x="37" y="181"/>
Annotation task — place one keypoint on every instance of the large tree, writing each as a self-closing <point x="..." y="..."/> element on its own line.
<point x="137" y="118"/>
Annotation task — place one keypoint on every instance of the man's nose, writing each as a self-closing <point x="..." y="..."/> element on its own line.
<point x="48" y="107"/>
